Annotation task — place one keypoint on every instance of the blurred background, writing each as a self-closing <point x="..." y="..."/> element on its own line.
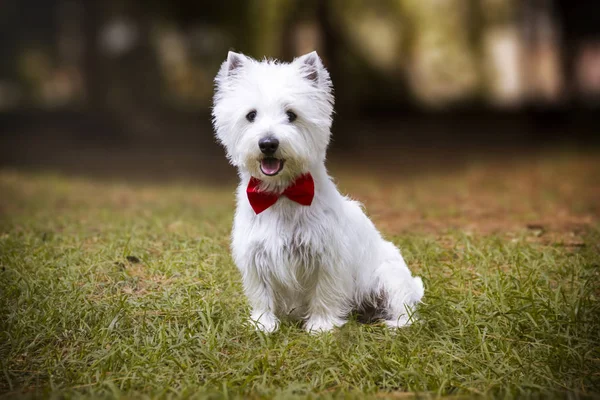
<point x="123" y="87"/>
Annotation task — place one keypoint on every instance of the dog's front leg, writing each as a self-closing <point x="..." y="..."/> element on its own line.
<point x="261" y="300"/>
<point x="327" y="303"/>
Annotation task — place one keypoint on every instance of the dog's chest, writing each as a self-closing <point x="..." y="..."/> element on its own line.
<point x="288" y="246"/>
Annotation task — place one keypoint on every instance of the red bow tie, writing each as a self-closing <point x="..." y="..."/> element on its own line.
<point x="301" y="191"/>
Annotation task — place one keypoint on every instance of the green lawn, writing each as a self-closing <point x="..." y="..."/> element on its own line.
<point x="113" y="289"/>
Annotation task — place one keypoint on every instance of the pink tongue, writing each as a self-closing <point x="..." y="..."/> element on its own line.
<point x="270" y="166"/>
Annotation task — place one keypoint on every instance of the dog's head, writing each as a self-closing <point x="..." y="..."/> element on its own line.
<point x="273" y="118"/>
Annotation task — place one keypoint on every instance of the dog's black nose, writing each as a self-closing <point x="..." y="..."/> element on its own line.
<point x="268" y="145"/>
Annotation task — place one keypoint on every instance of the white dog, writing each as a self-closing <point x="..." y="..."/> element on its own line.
<point x="303" y="250"/>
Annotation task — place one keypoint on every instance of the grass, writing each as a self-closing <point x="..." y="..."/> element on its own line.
<point x="112" y="290"/>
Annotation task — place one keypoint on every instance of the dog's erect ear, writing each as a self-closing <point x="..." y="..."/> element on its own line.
<point x="235" y="61"/>
<point x="312" y="65"/>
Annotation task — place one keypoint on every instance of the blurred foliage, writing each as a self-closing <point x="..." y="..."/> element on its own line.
<point x="129" y="55"/>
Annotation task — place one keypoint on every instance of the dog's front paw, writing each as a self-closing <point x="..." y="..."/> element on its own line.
<point x="323" y="324"/>
<point x="264" y="322"/>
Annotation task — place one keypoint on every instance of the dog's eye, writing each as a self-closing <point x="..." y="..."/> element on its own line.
<point x="251" y="116"/>
<point x="291" y="116"/>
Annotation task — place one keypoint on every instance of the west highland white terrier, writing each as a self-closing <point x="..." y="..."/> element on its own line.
<point x="304" y="250"/>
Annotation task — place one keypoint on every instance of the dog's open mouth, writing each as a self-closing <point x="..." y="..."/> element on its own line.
<point x="271" y="166"/>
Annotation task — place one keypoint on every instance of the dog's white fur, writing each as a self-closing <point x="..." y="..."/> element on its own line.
<point x="316" y="262"/>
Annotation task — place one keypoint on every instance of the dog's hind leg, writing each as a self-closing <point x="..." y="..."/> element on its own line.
<point x="400" y="291"/>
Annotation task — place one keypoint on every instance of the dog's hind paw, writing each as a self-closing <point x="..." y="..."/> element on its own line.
<point x="398" y="323"/>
